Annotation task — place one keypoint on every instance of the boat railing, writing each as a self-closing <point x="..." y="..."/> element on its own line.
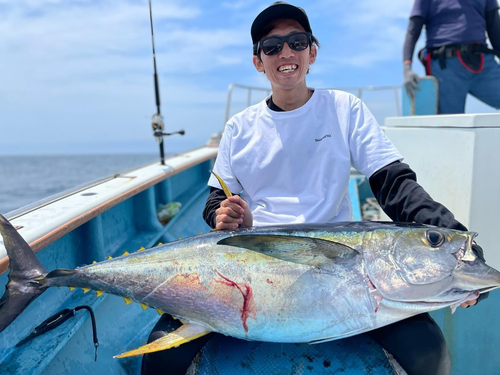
<point x="249" y="89"/>
<point x="359" y="91"/>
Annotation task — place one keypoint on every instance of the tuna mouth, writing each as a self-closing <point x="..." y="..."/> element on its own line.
<point x="485" y="290"/>
<point x="435" y="304"/>
<point x="288" y="68"/>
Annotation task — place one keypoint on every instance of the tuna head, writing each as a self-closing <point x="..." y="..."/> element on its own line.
<point x="426" y="264"/>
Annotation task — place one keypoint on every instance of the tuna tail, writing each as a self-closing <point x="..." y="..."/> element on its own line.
<point x="24" y="268"/>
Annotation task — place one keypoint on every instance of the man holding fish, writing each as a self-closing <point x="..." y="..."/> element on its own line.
<point x="289" y="159"/>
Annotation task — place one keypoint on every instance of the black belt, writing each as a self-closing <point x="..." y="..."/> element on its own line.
<point x="448" y="51"/>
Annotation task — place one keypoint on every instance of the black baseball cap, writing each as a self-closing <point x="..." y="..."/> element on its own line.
<point x="275" y="11"/>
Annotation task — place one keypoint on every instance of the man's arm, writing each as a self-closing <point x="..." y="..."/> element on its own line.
<point x="412" y="34"/>
<point x="410" y="78"/>
<point x="403" y="199"/>
<point x="226" y="213"/>
<point x="493" y="27"/>
<point x="213" y="203"/>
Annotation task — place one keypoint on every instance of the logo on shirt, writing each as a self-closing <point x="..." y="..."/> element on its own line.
<point x="323" y="137"/>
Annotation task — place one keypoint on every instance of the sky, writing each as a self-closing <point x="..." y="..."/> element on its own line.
<point x="76" y="76"/>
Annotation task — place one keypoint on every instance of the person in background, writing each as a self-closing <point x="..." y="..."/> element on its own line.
<point x="290" y="155"/>
<point x="456" y="52"/>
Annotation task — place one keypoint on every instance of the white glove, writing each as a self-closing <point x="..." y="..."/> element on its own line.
<point x="410" y="81"/>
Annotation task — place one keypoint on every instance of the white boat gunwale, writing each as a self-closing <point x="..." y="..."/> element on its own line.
<point x="58" y="221"/>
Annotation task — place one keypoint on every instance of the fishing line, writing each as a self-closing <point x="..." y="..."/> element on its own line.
<point x="59" y="318"/>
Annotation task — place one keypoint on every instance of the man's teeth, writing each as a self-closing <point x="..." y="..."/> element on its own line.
<point x="287" y="68"/>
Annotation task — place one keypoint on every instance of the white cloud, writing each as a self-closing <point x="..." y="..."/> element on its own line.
<point x="198" y="50"/>
<point x="84" y="69"/>
<point x="373" y="31"/>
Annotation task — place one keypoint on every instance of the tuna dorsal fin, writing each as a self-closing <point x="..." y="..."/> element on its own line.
<point x="24" y="267"/>
<point x="183" y="334"/>
<point x="314" y="252"/>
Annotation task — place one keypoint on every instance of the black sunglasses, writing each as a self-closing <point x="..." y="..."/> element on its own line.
<point x="274" y="44"/>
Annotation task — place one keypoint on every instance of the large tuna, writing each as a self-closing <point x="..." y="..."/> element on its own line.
<point x="296" y="283"/>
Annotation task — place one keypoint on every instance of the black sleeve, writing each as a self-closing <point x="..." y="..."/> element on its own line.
<point x="412" y="35"/>
<point x="493" y="28"/>
<point x="404" y="200"/>
<point x="213" y="203"/>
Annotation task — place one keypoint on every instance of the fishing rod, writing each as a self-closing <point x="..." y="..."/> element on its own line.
<point x="157" y="120"/>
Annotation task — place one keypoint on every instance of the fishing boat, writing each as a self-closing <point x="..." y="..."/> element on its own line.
<point x="163" y="201"/>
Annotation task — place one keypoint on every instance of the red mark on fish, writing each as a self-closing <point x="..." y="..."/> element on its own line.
<point x="269" y="281"/>
<point x="248" y="303"/>
<point x="370" y="282"/>
<point x="377" y="297"/>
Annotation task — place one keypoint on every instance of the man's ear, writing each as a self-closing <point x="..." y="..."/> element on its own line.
<point x="313" y="52"/>
<point x="258" y="64"/>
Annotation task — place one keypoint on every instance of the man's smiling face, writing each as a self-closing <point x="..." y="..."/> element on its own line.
<point x="288" y="68"/>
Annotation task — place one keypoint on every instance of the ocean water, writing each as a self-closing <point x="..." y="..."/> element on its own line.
<point x="28" y="179"/>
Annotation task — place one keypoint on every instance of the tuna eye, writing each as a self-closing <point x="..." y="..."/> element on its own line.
<point x="435" y="238"/>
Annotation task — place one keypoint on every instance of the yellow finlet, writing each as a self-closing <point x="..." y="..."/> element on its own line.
<point x="160" y="312"/>
<point x="110" y="257"/>
<point x="142" y="248"/>
<point x="128" y="301"/>
<point x="99" y="293"/>
<point x="85" y="290"/>
<point x="71" y="288"/>
<point x="200" y="232"/>
<point x="94" y="262"/>
<point x="159" y="243"/>
<point x="223" y="185"/>
<point x="126" y="253"/>
<point x="144" y="306"/>
<point x="183" y="334"/>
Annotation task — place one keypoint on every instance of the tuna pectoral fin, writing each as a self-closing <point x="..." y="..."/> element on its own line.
<point x="181" y="335"/>
<point x="331" y="338"/>
<point x="314" y="252"/>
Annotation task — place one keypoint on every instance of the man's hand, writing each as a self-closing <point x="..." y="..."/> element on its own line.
<point x="411" y="80"/>
<point x="469" y="303"/>
<point x="232" y="212"/>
